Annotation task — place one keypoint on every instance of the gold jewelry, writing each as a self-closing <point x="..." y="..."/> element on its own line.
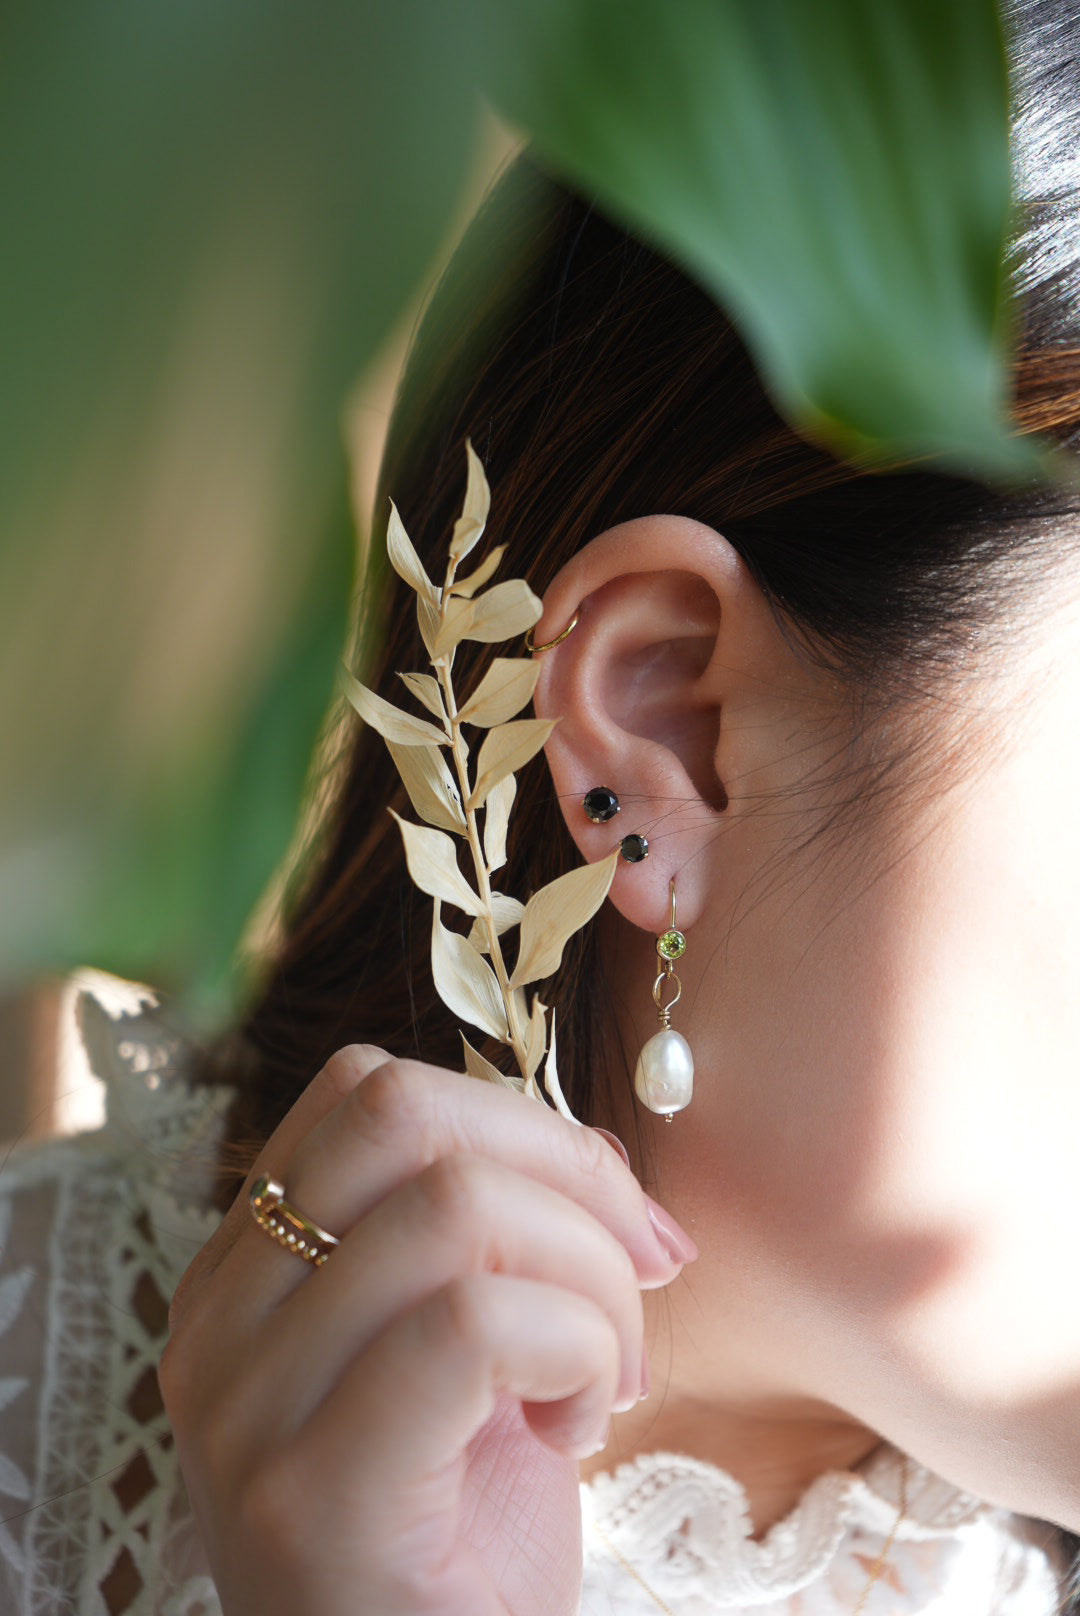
<point x="638" y="1578"/>
<point x="664" y="1076"/>
<point x="879" y="1564"/>
<point x="536" y="649"/>
<point x="875" y="1571"/>
<point x="286" y="1225"/>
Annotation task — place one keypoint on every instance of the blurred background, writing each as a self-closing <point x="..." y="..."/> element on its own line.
<point x="46" y="1085"/>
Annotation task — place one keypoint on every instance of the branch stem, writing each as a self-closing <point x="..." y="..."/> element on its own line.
<point x="483" y="882"/>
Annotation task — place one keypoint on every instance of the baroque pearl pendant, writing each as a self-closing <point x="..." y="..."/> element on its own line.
<point x="664" y="1077"/>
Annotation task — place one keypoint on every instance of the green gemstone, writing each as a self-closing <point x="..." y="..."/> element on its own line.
<point x="671" y="945"/>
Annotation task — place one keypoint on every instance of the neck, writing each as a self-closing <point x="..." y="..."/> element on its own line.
<point x="773" y="1457"/>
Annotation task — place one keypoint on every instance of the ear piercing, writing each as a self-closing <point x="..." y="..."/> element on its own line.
<point x="634" y="848"/>
<point x="600" y="805"/>
<point x="664" y="1076"/>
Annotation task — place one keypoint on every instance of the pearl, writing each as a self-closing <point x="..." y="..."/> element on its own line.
<point x="664" y="1078"/>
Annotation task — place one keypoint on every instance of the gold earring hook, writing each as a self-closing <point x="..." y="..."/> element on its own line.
<point x="535" y="650"/>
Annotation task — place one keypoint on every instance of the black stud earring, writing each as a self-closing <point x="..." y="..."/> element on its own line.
<point x="634" y="848"/>
<point x="600" y="804"/>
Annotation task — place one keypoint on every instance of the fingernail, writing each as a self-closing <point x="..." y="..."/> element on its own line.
<point x="675" y="1241"/>
<point x="644" y="1392"/>
<point x="601" y="1445"/>
<point x="615" y="1143"/>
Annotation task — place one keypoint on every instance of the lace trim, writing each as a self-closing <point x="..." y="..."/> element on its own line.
<point x="109" y="1530"/>
<point x="685" y="1527"/>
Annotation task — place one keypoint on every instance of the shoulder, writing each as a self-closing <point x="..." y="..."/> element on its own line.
<point x="149" y="1130"/>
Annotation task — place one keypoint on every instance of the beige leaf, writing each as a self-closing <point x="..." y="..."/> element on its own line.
<point x="504" y="610"/>
<point x="464" y="981"/>
<point x="452" y="625"/>
<point x="429" y="618"/>
<point x="477" y="1065"/>
<point x="433" y="865"/>
<point x="505" y="689"/>
<point x="425" y="687"/>
<point x="430" y="785"/>
<point x="507" y="912"/>
<point x="496" y="818"/>
<point x="505" y="750"/>
<point x="476" y="580"/>
<point x="404" y="559"/>
<point x="391" y="723"/>
<point x="551" y="1079"/>
<point x="535" y="1037"/>
<point x="557" y="911"/>
<point x="474" y="514"/>
<point x="499" y="613"/>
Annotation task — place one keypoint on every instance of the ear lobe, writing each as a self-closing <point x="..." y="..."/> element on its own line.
<point x="667" y="693"/>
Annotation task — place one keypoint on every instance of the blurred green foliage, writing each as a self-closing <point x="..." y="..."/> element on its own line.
<point x="212" y="215"/>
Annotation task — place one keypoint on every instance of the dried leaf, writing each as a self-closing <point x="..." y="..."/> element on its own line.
<point x="477" y="1065"/>
<point x="425" y="687"/>
<point x="464" y="981"/>
<point x="500" y="613"/>
<point x="557" y="911"/>
<point x="476" y="580"/>
<point x="391" y="723"/>
<point x="496" y="818"/>
<point x="474" y="513"/>
<point x="429" y="617"/>
<point x="551" y="1079"/>
<point x="504" y="610"/>
<point x="404" y="559"/>
<point x="433" y="865"/>
<point x="506" y="911"/>
<point x="430" y="786"/>
<point x="505" y="750"/>
<point x="505" y="689"/>
<point x="454" y="622"/>
<point x="535" y="1037"/>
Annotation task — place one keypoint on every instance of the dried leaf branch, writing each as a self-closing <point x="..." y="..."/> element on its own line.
<point x="432" y="758"/>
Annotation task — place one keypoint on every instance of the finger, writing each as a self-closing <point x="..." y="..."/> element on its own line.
<point x="336" y="1080"/>
<point x="463" y="1215"/>
<point x="404" y="1116"/>
<point x="479" y="1336"/>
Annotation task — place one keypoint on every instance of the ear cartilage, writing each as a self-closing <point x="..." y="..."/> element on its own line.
<point x="634" y="848"/>
<point x="600" y="804"/>
<point x="664" y="1076"/>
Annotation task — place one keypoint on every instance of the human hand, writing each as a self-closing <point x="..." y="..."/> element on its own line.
<point x="398" y="1429"/>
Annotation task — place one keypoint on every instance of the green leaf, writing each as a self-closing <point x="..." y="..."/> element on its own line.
<point x="836" y="174"/>
<point x="201" y="252"/>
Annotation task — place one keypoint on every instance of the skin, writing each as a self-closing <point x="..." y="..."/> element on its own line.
<point x="877" y="1164"/>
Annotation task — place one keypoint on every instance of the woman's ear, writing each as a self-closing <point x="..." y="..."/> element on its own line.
<point x="678" y="690"/>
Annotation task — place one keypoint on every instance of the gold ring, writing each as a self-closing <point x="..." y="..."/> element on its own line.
<point x="286" y="1225"/>
<point x="535" y="649"/>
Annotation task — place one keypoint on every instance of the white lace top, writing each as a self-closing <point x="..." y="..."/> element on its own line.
<point x="94" y="1233"/>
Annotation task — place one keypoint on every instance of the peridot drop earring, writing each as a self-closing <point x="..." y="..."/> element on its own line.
<point x="664" y="1076"/>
